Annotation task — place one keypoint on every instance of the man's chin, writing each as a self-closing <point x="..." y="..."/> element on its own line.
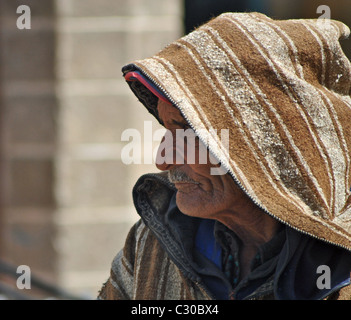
<point x="188" y="205"/>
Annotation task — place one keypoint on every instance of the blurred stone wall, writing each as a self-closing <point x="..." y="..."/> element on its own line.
<point x="93" y="188"/>
<point x="66" y="195"/>
<point x="28" y="138"/>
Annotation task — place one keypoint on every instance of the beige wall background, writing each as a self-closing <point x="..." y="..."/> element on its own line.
<point x="66" y="204"/>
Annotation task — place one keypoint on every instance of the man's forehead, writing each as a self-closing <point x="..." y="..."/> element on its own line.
<point x="166" y="110"/>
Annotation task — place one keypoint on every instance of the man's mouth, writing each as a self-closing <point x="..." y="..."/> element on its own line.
<point x="178" y="176"/>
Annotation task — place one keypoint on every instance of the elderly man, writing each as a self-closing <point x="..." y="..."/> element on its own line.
<point x="275" y="222"/>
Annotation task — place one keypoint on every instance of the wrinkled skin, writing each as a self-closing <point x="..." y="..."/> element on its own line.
<point x="201" y="194"/>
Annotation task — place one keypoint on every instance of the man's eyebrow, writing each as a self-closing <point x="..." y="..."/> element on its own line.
<point x="181" y="124"/>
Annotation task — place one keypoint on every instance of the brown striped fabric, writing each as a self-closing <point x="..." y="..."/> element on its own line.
<point x="139" y="274"/>
<point x="282" y="89"/>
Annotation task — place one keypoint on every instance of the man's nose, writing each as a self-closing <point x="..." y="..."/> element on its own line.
<point x="170" y="151"/>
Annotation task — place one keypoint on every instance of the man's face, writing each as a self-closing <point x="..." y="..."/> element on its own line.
<point x="200" y="193"/>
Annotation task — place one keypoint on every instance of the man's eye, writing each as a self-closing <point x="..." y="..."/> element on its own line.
<point x="181" y="124"/>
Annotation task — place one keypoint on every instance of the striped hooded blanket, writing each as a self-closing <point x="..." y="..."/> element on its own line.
<point x="282" y="89"/>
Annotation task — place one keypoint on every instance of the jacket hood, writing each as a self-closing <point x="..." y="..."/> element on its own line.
<point x="282" y="89"/>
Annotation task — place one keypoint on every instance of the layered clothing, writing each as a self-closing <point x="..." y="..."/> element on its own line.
<point x="281" y="90"/>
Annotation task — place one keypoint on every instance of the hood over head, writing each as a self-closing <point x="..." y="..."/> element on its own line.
<point x="282" y="89"/>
